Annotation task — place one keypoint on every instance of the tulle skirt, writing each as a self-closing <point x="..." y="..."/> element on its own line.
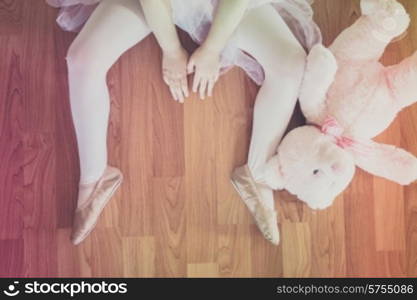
<point x="196" y="19"/>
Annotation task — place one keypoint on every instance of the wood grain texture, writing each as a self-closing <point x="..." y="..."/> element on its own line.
<point x="176" y="214"/>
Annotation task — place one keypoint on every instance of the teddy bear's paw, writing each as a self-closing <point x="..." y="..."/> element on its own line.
<point x="389" y="7"/>
<point x="390" y="17"/>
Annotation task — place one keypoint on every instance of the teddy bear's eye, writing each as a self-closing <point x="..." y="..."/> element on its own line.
<point x="316" y="171"/>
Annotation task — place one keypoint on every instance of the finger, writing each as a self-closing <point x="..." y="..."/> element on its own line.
<point x="179" y="93"/>
<point x="203" y="87"/>
<point x="210" y="87"/>
<point x="216" y="77"/>
<point x="196" y="81"/>
<point x="213" y="82"/>
<point x="184" y="86"/>
<point x="173" y="93"/>
<point x="176" y="86"/>
<point x="166" y="79"/>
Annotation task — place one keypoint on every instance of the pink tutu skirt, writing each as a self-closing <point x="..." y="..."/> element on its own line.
<point x="297" y="14"/>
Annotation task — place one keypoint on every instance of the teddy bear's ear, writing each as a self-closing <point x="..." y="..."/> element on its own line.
<point x="271" y="175"/>
<point x="387" y="161"/>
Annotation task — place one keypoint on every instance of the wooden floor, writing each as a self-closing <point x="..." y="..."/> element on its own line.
<point x="176" y="214"/>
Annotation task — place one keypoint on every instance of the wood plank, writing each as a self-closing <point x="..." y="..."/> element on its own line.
<point x="169" y="222"/>
<point x="139" y="258"/>
<point x="203" y="270"/>
<point x="234" y="251"/>
<point x="296" y="249"/>
<point x="11" y="253"/>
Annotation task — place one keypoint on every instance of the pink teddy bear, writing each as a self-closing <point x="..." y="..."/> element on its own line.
<point x="348" y="97"/>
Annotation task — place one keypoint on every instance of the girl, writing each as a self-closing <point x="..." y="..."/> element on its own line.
<point x="225" y="29"/>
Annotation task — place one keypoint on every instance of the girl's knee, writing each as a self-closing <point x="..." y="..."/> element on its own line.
<point x="75" y="57"/>
<point x="84" y="59"/>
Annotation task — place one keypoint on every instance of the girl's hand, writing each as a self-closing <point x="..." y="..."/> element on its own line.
<point x="174" y="72"/>
<point x="205" y="63"/>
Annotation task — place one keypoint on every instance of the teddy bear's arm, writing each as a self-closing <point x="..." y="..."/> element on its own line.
<point x="402" y="81"/>
<point x="389" y="162"/>
<point x="320" y="72"/>
<point x="367" y="38"/>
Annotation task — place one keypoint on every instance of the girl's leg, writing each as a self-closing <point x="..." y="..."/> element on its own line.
<point x="264" y="35"/>
<point x="114" y="27"/>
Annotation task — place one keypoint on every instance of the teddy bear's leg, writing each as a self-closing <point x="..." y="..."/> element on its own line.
<point x="402" y="80"/>
<point x="318" y="76"/>
<point x="367" y="38"/>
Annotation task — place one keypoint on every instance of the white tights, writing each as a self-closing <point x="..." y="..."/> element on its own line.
<point x="117" y="25"/>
